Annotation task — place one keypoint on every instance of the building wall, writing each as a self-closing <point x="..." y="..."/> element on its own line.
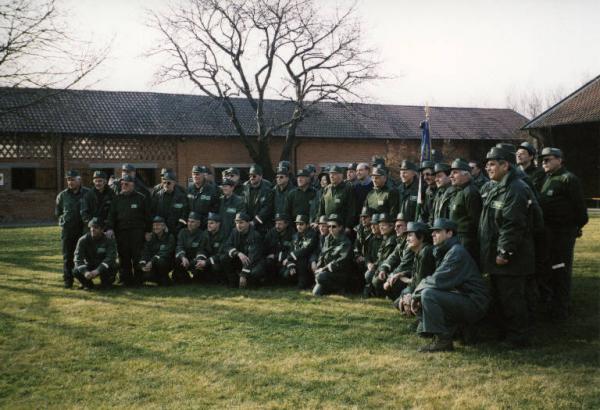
<point x="89" y="153"/>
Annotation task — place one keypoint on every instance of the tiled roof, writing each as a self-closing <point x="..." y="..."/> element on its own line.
<point x="143" y="113"/>
<point x="581" y="106"/>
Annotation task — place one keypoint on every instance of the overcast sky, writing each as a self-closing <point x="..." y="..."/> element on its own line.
<point x="446" y="53"/>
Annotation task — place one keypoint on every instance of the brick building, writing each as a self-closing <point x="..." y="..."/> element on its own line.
<point x="88" y="130"/>
<point x="573" y="125"/>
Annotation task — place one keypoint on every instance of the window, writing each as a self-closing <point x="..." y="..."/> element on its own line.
<point x="33" y="178"/>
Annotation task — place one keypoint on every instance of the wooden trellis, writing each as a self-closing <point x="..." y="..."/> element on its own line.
<point x="123" y="149"/>
<point x="26" y="147"/>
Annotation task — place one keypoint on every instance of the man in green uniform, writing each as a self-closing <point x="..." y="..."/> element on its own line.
<point x="170" y="204"/>
<point x="362" y="233"/>
<point x="454" y="295"/>
<point x="68" y="212"/>
<point x="443" y="194"/>
<point x="277" y="244"/>
<point x="338" y="199"/>
<point x="507" y="247"/>
<point x="418" y="240"/>
<point x="301" y="200"/>
<point x="408" y="190"/>
<point x="373" y="285"/>
<point x="334" y="260"/>
<point x="565" y="214"/>
<point x="427" y="172"/>
<point x="157" y="257"/>
<point x="202" y="195"/>
<point x="525" y="160"/>
<point x="246" y="253"/>
<point x="281" y="189"/>
<point x="465" y="206"/>
<point x="130" y="170"/>
<point x="351" y="173"/>
<point x="212" y="259"/>
<point x="95" y="256"/>
<point x="323" y="233"/>
<point x="258" y="199"/>
<point x="477" y="174"/>
<point x="96" y="202"/>
<point x="381" y="199"/>
<point x="229" y="205"/>
<point x="186" y="250"/>
<point x="297" y="263"/>
<point x="233" y="174"/>
<point x="128" y="220"/>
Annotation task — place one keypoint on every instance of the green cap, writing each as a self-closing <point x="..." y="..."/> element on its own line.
<point x="460" y="164"/>
<point x="408" y="165"/>
<point x="441" y="167"/>
<point x="548" y="151"/>
<point x="529" y="147"/>
<point x="95" y="222"/>
<point x="496" y="153"/>
<point x="301" y="219"/>
<point x="158" y="219"/>
<point x="506" y="146"/>
<point x="256" y="170"/>
<point x="335" y="169"/>
<point x="378" y="171"/>
<point x="444" y="223"/>
<point x="99" y="174"/>
<point x="72" y="173"/>
<point x="417" y="227"/>
<point x="386" y="218"/>
<point x="334" y="218"/>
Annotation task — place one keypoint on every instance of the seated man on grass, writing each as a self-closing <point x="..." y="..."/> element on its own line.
<point x="297" y="263"/>
<point x="95" y="256"/>
<point x="245" y="250"/>
<point x="335" y="259"/>
<point x="158" y="254"/>
<point x="454" y="295"/>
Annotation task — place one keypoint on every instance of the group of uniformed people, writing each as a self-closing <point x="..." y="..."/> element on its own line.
<point x="423" y="241"/>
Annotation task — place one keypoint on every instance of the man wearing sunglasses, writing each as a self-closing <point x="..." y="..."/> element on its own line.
<point x="335" y="259"/>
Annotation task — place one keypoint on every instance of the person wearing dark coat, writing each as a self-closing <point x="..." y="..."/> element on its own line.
<point x="443" y="193"/>
<point x="211" y="260"/>
<point x="246" y="254"/>
<point x="277" y="245"/>
<point x="203" y="197"/>
<point x="334" y="260"/>
<point x="96" y="202"/>
<point x="95" y="256"/>
<point x="297" y="263"/>
<point x="338" y="199"/>
<point x="454" y="295"/>
<point x="170" y="204"/>
<point x="381" y="199"/>
<point x="282" y="188"/>
<point x="258" y="200"/>
<point x="373" y="286"/>
<point x="186" y="250"/>
<point x="408" y="190"/>
<point x="230" y="205"/>
<point x="507" y="247"/>
<point x="157" y="256"/>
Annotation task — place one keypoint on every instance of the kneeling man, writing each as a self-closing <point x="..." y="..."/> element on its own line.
<point x="95" y="256"/>
<point x="157" y="257"/>
<point x="454" y="295"/>
<point x="245" y="250"/>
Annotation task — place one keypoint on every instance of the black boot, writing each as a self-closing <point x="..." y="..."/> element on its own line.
<point x="439" y="344"/>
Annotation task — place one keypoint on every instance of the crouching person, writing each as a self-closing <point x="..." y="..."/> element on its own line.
<point x="297" y="264"/>
<point x="334" y="260"/>
<point x="95" y="256"/>
<point x="188" y="244"/>
<point x="454" y="295"/>
<point x="245" y="250"/>
<point x="211" y="261"/>
<point x="157" y="256"/>
<point x="278" y="242"/>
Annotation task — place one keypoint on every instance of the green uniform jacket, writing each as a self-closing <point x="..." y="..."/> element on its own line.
<point x="382" y="200"/>
<point x="98" y="253"/>
<point x="407" y="199"/>
<point x="228" y="207"/>
<point x="188" y="244"/>
<point x="68" y="208"/>
<point x="480" y="180"/>
<point x="173" y="206"/>
<point x="212" y="247"/>
<point x="129" y="211"/>
<point x="96" y="204"/>
<point x="203" y="200"/>
<point x="465" y="209"/>
<point x="561" y="199"/>
<point x="259" y="203"/>
<point x="336" y="256"/>
<point x="278" y="243"/>
<point x="388" y="244"/>
<point x="427" y="206"/>
<point x="400" y="260"/>
<point x="250" y="244"/>
<point x="457" y="272"/>
<point x="360" y="243"/>
<point x="505" y="227"/>
<point x="338" y="200"/>
<point x="303" y="246"/>
<point x="423" y="266"/>
<point x="156" y="249"/>
<point x="373" y="244"/>
<point x="536" y="175"/>
<point x="300" y="202"/>
<point x="441" y="203"/>
<point x="280" y="197"/>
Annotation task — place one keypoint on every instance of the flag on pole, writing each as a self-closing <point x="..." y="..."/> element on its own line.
<point x="425" y="154"/>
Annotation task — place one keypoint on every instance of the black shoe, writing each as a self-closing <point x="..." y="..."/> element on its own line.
<point x="439" y="344"/>
<point x="68" y="284"/>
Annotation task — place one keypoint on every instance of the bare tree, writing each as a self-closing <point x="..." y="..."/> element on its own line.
<point x="37" y="51"/>
<point x="249" y="48"/>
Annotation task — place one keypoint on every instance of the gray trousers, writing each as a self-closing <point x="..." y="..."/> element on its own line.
<point x="443" y="312"/>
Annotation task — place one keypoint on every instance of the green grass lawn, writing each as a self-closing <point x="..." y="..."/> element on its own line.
<point x="199" y="347"/>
